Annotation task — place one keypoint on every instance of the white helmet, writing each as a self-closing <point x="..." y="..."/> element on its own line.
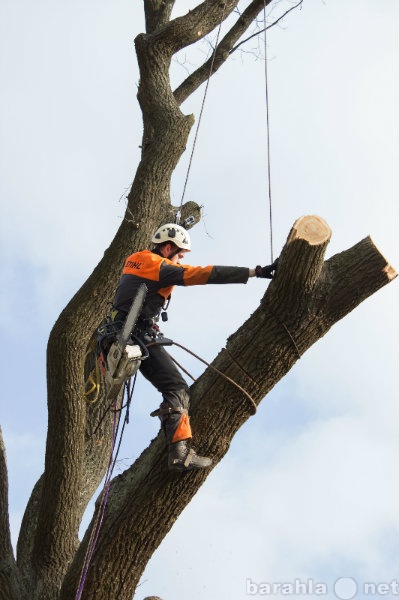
<point x="172" y="233"/>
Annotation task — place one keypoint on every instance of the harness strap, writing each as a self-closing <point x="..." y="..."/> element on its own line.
<point x="164" y="411"/>
<point x="118" y="315"/>
<point x="189" y="457"/>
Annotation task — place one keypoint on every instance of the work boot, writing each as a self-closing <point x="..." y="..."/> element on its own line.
<point x="182" y="458"/>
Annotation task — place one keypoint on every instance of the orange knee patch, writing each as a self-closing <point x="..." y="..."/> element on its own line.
<point x="183" y="431"/>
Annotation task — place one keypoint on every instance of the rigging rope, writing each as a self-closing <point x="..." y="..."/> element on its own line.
<point x="268" y="132"/>
<point x="178" y="214"/>
<point x="100" y="510"/>
<point x="251" y="400"/>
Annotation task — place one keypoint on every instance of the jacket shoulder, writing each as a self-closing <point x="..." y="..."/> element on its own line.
<point x="142" y="263"/>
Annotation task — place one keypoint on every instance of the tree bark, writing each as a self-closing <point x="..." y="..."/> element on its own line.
<point x="221" y="52"/>
<point x="301" y="304"/>
<point x="307" y="297"/>
<point x="10" y="586"/>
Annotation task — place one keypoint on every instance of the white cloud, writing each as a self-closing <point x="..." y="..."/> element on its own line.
<point x="315" y="510"/>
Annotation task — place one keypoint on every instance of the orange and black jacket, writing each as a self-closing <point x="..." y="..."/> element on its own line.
<point x="161" y="275"/>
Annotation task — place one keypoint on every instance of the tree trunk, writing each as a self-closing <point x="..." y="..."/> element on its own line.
<point x="301" y="304"/>
<point x="10" y="587"/>
<point x="306" y="298"/>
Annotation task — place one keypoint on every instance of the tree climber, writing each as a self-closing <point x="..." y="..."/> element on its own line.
<point x="161" y="269"/>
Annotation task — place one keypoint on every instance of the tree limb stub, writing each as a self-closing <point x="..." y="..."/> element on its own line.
<point x="301" y="304"/>
<point x="312" y="229"/>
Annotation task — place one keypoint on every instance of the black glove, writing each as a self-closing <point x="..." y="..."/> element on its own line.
<point x="267" y="272"/>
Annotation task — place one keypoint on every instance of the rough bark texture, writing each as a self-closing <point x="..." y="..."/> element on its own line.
<point x="307" y="297"/>
<point x="9" y="577"/>
<point x="303" y="302"/>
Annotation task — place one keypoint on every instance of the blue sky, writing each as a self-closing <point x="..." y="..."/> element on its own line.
<point x="309" y="487"/>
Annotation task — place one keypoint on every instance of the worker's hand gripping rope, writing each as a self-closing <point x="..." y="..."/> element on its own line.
<point x="268" y="272"/>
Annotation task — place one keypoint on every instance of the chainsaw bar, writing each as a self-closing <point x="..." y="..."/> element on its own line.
<point x="132" y="315"/>
<point x="121" y="365"/>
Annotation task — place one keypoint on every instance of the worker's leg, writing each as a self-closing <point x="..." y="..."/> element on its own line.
<point x="161" y="371"/>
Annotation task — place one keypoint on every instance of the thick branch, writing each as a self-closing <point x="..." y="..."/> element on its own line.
<point x="294" y="313"/>
<point x="76" y="458"/>
<point x="27" y="537"/>
<point x="5" y="537"/>
<point x="195" y="25"/>
<point x="74" y="461"/>
<point x="301" y="262"/>
<point x="166" y="129"/>
<point x="9" y="580"/>
<point x="348" y="271"/>
<point x="157" y="13"/>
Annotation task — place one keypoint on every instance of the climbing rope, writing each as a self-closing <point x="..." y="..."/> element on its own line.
<point x="251" y="400"/>
<point x="95" y="532"/>
<point x="115" y="447"/>
<point x="268" y="132"/>
<point x="182" y="368"/>
<point x="178" y="214"/>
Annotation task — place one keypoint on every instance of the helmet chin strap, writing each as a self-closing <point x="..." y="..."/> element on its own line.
<point x="173" y="253"/>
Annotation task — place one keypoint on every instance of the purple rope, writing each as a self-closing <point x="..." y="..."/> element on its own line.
<point x="100" y="517"/>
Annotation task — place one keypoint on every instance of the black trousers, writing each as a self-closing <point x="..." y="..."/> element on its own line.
<point x="161" y="371"/>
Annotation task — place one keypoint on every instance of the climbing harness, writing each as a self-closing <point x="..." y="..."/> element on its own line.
<point x="112" y="390"/>
<point x="119" y="359"/>
<point x="123" y="359"/>
<point x="119" y="352"/>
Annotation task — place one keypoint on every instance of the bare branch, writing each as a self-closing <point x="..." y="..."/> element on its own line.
<point x="264" y="29"/>
<point x="221" y="53"/>
<point x="195" y="25"/>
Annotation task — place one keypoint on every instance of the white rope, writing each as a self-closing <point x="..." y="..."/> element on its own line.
<point x="268" y="132"/>
<point x="178" y="214"/>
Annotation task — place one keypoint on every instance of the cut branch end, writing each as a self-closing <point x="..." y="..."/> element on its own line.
<point x="389" y="270"/>
<point x="312" y="229"/>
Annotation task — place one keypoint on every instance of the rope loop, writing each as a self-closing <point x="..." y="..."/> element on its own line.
<point x="251" y="400"/>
